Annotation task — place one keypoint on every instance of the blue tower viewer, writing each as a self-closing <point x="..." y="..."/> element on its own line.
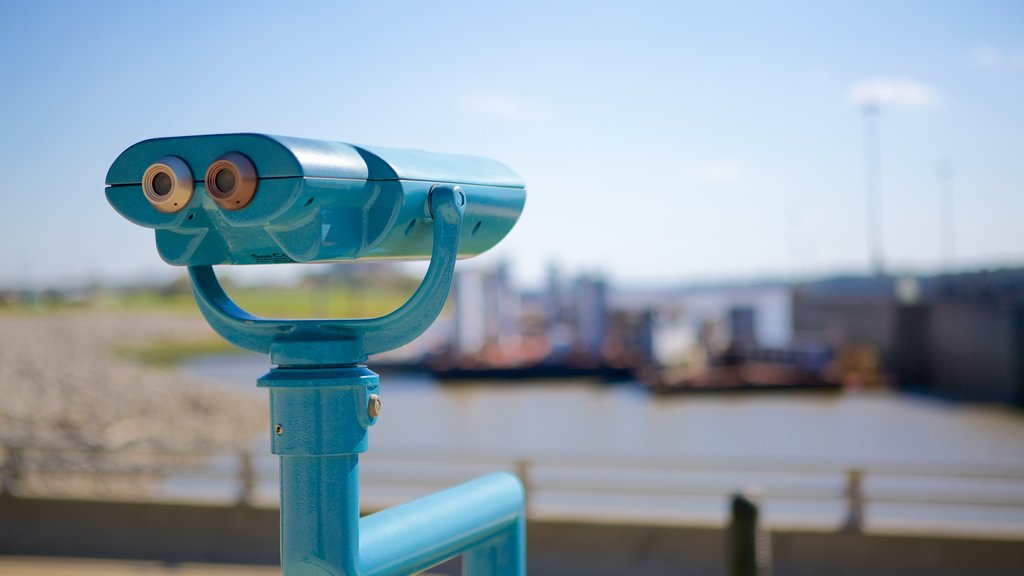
<point x="269" y="199"/>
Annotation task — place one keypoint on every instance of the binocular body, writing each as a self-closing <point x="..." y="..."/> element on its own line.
<point x="271" y="199"/>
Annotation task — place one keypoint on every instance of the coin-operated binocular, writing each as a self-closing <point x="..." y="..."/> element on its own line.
<point x="257" y="199"/>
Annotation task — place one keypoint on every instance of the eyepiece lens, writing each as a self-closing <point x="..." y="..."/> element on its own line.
<point x="231" y="181"/>
<point x="225" y="180"/>
<point x="162" y="184"/>
<point x="167" y="184"/>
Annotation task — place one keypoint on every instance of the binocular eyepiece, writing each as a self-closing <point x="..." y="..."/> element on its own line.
<point x="272" y="199"/>
<point x="168" y="184"/>
<point x="230" y="181"/>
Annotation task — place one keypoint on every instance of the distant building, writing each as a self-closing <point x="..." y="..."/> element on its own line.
<point x="959" y="335"/>
<point x="487" y="311"/>
<point x="469" y="335"/>
<point x="591" y="315"/>
<point x="976" y="336"/>
<point x="743" y="327"/>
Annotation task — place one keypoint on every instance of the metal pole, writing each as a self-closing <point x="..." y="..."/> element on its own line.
<point x="523" y="473"/>
<point x="319" y="515"/>
<point x="873" y="188"/>
<point x="749" y="544"/>
<point x="246" y="479"/>
<point x="320" y="417"/>
<point x="947" y="229"/>
<point x="483" y="519"/>
<point x="855" y="501"/>
<point x="14" y="462"/>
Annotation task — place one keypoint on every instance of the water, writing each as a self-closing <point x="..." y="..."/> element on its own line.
<point x="576" y="418"/>
<point x="617" y="450"/>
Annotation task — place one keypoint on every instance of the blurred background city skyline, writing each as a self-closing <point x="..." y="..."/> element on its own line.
<point x="661" y="143"/>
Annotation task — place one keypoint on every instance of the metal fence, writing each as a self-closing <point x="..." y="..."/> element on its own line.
<point x="985" y="498"/>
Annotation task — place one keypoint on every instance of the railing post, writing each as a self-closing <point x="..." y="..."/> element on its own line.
<point x="14" y="462"/>
<point x="854" y="501"/>
<point x="523" y="473"/>
<point x="749" y="544"/>
<point x="246" y="479"/>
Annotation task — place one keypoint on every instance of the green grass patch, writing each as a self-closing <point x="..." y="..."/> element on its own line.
<point x="281" y="301"/>
<point x="319" y="301"/>
<point x="271" y="302"/>
<point x="342" y="301"/>
<point x="167" y="352"/>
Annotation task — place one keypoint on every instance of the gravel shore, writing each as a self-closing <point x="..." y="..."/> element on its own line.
<point x="74" y="403"/>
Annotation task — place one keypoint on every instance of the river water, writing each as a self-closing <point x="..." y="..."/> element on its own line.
<point x="795" y="444"/>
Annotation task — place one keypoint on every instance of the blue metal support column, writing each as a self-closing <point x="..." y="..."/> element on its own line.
<point x="320" y="419"/>
<point x="320" y="515"/>
<point x="322" y="403"/>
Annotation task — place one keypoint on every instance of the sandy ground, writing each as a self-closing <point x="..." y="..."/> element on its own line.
<point x="29" y="566"/>
<point x="76" y="405"/>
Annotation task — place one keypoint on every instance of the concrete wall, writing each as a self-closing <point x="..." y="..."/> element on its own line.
<point x="976" y="351"/>
<point x="838" y="554"/>
<point x="847" y="319"/>
<point x="972" y="349"/>
<point x="144" y="531"/>
<point x="195" y="533"/>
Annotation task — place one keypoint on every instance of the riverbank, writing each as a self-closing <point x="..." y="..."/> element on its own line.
<point x="69" y="392"/>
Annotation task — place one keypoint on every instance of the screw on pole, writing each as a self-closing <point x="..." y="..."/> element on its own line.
<point x="749" y="544"/>
<point x="375" y="407"/>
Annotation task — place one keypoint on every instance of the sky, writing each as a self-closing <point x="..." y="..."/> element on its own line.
<point x="662" y="143"/>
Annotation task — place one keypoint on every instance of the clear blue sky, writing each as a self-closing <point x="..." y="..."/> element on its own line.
<point x="660" y="142"/>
